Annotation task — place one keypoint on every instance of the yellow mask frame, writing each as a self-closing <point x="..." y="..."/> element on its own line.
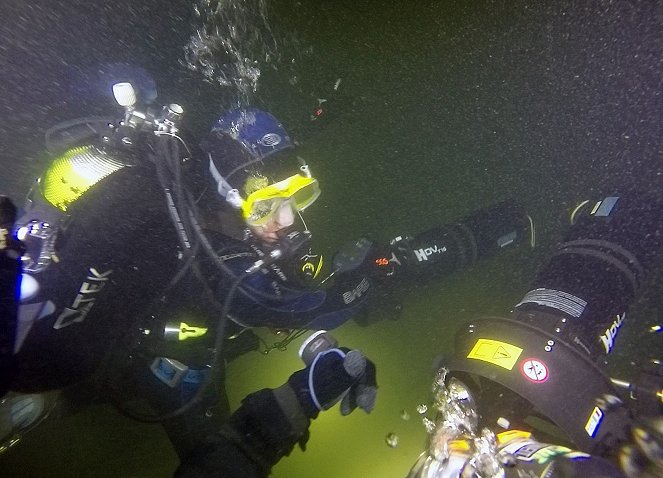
<point x="261" y="205"/>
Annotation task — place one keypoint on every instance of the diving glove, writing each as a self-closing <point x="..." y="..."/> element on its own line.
<point x="336" y="374"/>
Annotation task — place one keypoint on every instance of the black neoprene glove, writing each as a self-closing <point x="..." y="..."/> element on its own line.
<point x="271" y="422"/>
<point x="337" y="374"/>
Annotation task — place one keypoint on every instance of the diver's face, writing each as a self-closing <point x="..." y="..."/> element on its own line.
<point x="283" y="218"/>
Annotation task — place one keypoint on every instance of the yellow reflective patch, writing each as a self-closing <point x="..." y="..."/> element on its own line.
<point x="188" y="331"/>
<point x="498" y="353"/>
<point x="544" y="455"/>
<point x="509" y="435"/>
<point x="74" y="172"/>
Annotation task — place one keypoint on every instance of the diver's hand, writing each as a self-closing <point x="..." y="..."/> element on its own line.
<point x="643" y="458"/>
<point x="334" y="375"/>
<point x="367" y="258"/>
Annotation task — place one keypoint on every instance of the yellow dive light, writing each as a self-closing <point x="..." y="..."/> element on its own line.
<point x="299" y="191"/>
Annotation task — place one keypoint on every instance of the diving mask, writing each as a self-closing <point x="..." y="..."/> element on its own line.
<point x="298" y="191"/>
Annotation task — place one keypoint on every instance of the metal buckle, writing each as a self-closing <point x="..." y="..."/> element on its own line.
<point x="169" y="371"/>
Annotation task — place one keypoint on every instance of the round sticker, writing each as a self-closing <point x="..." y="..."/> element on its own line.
<point x="534" y="370"/>
<point x="270" y="140"/>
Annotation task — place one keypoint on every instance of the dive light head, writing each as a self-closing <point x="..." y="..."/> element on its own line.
<point x="124" y="94"/>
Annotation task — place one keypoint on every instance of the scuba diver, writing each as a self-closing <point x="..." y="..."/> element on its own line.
<point x="145" y="256"/>
<point x="511" y="381"/>
<point x="265" y="186"/>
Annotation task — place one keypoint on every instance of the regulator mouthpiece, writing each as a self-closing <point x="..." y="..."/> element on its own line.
<point x="124" y="94"/>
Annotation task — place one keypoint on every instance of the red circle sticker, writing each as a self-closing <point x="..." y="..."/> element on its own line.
<point x="534" y="370"/>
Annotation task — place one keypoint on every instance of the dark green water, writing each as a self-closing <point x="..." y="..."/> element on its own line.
<point x="443" y="107"/>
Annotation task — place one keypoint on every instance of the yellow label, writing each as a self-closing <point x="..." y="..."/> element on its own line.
<point x="498" y="353"/>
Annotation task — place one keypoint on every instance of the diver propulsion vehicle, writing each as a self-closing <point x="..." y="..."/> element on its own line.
<point x="543" y="367"/>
